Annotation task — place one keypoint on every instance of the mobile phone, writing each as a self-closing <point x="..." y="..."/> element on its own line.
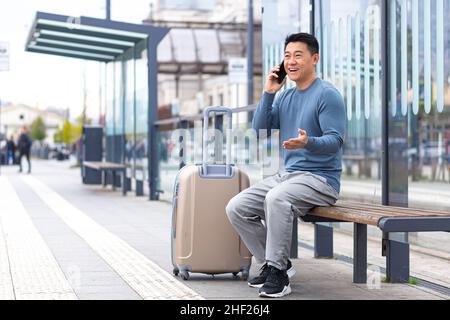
<point x="282" y="73"/>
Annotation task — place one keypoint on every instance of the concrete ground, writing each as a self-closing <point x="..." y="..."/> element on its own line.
<point x="60" y="239"/>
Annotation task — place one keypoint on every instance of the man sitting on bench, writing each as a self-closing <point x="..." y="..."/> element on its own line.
<point x="313" y="112"/>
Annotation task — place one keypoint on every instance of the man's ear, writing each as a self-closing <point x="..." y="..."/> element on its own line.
<point x="316" y="58"/>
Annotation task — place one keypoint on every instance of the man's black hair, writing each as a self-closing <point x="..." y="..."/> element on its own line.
<point x="308" y="39"/>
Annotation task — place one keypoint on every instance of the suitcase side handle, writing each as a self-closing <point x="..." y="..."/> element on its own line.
<point x="206" y="114"/>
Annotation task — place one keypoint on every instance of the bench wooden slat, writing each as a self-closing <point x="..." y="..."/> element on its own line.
<point x="371" y="214"/>
<point x="103" y="165"/>
<point x="383" y="213"/>
<point x="344" y="214"/>
<point x="357" y="214"/>
<point x="389" y="210"/>
<point x="361" y="211"/>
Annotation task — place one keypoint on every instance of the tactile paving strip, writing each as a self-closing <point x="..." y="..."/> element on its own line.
<point x="34" y="271"/>
<point x="148" y="279"/>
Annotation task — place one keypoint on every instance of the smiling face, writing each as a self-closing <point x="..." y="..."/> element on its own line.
<point x="299" y="63"/>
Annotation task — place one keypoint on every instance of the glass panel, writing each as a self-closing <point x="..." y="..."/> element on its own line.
<point x="141" y="112"/>
<point x="245" y="151"/>
<point x="169" y="150"/>
<point x="110" y="130"/>
<point x="419" y="141"/>
<point x="118" y="112"/>
<point x="129" y="75"/>
<point x="349" y="35"/>
<point x="280" y="19"/>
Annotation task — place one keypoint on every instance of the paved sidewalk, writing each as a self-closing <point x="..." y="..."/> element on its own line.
<point x="88" y="242"/>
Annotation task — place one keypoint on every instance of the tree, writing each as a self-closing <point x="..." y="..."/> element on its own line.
<point x="67" y="132"/>
<point x="70" y="132"/>
<point x="77" y="128"/>
<point x="57" y="135"/>
<point x="38" y="130"/>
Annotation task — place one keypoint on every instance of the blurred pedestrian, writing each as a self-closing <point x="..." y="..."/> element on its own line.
<point x="24" y="146"/>
<point x="11" y="151"/>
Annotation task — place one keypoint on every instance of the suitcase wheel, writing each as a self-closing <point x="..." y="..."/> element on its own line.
<point x="235" y="273"/>
<point x="184" y="275"/>
<point x="176" y="271"/>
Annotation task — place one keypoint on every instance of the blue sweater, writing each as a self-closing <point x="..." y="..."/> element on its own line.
<point x="320" y="111"/>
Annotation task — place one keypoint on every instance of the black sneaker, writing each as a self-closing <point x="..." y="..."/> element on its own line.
<point x="258" y="282"/>
<point x="276" y="285"/>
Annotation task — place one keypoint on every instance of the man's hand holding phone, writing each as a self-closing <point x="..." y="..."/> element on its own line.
<point x="276" y="79"/>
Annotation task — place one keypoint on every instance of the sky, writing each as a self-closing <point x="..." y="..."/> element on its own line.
<point x="50" y="81"/>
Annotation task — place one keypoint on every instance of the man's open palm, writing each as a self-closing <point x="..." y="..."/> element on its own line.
<point x="297" y="143"/>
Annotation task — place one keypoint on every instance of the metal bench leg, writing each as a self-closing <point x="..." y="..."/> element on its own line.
<point x="129" y="188"/>
<point x="323" y="241"/>
<point x="124" y="182"/>
<point x="294" y="243"/>
<point x="396" y="250"/>
<point x="113" y="173"/>
<point x="359" y="253"/>
<point x="104" y="177"/>
<point x="119" y="177"/>
<point x="108" y="177"/>
<point x="139" y="188"/>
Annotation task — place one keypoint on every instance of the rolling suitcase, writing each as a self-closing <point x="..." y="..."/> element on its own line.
<point x="203" y="239"/>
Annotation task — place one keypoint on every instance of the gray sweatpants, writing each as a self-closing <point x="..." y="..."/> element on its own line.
<point x="276" y="200"/>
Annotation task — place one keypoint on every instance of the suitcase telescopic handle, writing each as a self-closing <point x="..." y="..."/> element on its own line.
<point x="206" y="114"/>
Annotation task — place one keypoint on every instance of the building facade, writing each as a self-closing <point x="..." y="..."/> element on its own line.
<point x="16" y="116"/>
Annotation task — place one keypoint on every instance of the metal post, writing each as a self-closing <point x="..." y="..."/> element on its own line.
<point x="153" y="154"/>
<point x="385" y="104"/>
<point x="395" y="246"/>
<point x="359" y="253"/>
<point x="396" y="250"/>
<point x="108" y="9"/>
<point x="123" y="100"/>
<point x="250" y="54"/>
<point x="124" y="182"/>
<point x="323" y="241"/>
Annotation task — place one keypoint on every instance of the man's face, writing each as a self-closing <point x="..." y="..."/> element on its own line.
<point x="299" y="63"/>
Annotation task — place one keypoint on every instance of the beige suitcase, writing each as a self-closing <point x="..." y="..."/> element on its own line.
<point x="203" y="240"/>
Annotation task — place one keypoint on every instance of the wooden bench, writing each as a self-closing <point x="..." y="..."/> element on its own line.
<point x="394" y="222"/>
<point x="112" y="167"/>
